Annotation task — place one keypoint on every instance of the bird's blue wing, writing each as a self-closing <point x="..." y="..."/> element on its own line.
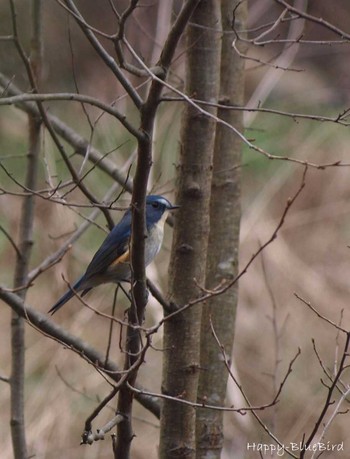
<point x="114" y="246"/>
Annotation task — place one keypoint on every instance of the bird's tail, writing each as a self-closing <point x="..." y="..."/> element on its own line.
<point x="68" y="295"/>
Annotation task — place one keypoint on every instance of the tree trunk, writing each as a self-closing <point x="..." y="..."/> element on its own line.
<point x="222" y="259"/>
<point x="190" y="239"/>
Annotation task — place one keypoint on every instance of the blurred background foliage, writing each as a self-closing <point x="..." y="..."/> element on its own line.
<point x="310" y="256"/>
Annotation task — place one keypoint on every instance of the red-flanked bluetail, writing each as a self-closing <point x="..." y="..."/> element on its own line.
<point x="111" y="263"/>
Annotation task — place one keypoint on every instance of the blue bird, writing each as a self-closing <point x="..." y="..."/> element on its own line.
<point x="111" y="263"/>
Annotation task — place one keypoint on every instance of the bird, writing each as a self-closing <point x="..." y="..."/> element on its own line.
<point x="111" y="262"/>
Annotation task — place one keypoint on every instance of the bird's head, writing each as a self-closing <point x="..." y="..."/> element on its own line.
<point x="156" y="207"/>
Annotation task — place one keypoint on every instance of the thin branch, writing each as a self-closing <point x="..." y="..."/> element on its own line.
<point x="340" y="118"/>
<point x="119" y="39"/>
<point x="324" y="369"/>
<point x="341" y="387"/>
<point x="320" y="21"/>
<point x="183" y="401"/>
<point x="33" y="82"/>
<point x="47" y="327"/>
<point x="111" y="324"/>
<point x="75" y="80"/>
<point x="101" y="432"/>
<point x="273" y="318"/>
<point x="328" y="400"/>
<point x="58" y="255"/>
<point x="330" y="322"/>
<point x="253" y="411"/>
<point x="326" y="427"/>
<point x="264" y="64"/>
<point x="273" y="27"/>
<point x="103" y="54"/>
<point x="86" y="436"/>
<point x="49" y="195"/>
<point x="247" y="142"/>
<point x="84" y="99"/>
<point x="167" y="306"/>
<point x="79" y="143"/>
<point x="12" y="242"/>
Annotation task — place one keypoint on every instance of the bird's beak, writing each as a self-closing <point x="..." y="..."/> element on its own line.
<point x="173" y="207"/>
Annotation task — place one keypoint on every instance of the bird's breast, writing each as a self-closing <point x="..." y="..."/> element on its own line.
<point x="120" y="269"/>
<point x="154" y="240"/>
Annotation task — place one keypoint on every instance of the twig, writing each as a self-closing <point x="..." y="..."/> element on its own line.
<point x="264" y="63"/>
<point x="75" y="77"/>
<point x="81" y="98"/>
<point x="111" y="324"/>
<point x="309" y="305"/>
<point x="53" y="258"/>
<point x="33" y="82"/>
<point x="247" y="142"/>
<point x="341" y="387"/>
<point x="103" y="54"/>
<point x="53" y="331"/>
<point x="5" y="379"/>
<point x="109" y="317"/>
<point x="119" y="38"/>
<point x="328" y="400"/>
<point x="79" y="144"/>
<point x="320" y="21"/>
<point x="276" y="331"/>
<point x="331" y="419"/>
<point x="338" y="119"/>
<point x="168" y="307"/>
<point x="86" y="436"/>
<point x="178" y="399"/>
<point x="253" y="411"/>
<point x="90" y="437"/>
<point x="12" y="242"/>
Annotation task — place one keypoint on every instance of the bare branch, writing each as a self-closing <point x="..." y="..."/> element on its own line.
<point x="86" y="436"/>
<point x="341" y="118"/>
<point x="230" y="409"/>
<point x="54" y="258"/>
<point x="12" y="242"/>
<point x="335" y="412"/>
<point x="74" y="139"/>
<point x="120" y="38"/>
<point x="33" y="82"/>
<point x="247" y="142"/>
<point x="328" y="401"/>
<point x="309" y="305"/>
<point x="107" y="59"/>
<point x="18" y="99"/>
<point x="50" y="329"/>
<point x="253" y="411"/>
<point x="90" y="437"/>
<point x="320" y="21"/>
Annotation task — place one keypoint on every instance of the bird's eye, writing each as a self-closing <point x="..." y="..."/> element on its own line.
<point x="155" y="204"/>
